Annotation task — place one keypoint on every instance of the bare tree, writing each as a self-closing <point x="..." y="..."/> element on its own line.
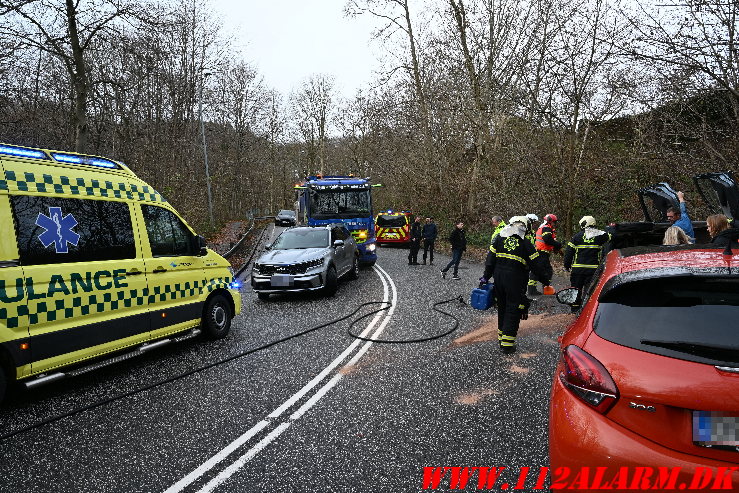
<point x="68" y="31"/>
<point x="311" y="107"/>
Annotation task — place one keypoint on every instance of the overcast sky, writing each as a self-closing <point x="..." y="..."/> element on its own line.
<point x="290" y="40"/>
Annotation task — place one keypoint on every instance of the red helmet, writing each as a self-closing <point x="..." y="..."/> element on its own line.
<point x="550" y="218"/>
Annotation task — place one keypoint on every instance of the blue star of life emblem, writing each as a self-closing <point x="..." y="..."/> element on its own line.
<point x="58" y="229"/>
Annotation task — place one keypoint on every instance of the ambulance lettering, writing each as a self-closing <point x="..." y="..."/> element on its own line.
<point x="101" y="280"/>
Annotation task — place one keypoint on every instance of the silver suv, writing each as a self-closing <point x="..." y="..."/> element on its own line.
<point x="306" y="259"/>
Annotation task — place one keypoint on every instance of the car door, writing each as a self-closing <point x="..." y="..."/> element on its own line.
<point x="84" y="277"/>
<point x="13" y="322"/>
<point x="174" y="272"/>
<point x="340" y="252"/>
<point x="720" y="192"/>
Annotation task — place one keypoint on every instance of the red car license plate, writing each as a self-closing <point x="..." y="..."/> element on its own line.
<point x="716" y="429"/>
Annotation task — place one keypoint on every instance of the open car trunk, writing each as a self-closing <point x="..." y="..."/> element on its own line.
<point x="720" y="191"/>
<point x="654" y="201"/>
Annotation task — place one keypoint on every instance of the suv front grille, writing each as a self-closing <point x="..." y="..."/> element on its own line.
<point x="293" y="269"/>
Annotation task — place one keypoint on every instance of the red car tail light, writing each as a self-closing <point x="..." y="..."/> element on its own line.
<point x="588" y="379"/>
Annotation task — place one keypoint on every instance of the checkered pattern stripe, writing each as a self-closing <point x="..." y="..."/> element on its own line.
<point x="42" y="311"/>
<point x="31" y="182"/>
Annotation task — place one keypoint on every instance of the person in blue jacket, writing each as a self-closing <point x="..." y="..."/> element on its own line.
<point x="680" y="218"/>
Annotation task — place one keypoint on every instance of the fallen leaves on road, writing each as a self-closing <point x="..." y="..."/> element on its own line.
<point x="474" y="397"/>
<point x="536" y="324"/>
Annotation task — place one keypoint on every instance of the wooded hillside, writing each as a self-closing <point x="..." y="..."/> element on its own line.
<point x="483" y="106"/>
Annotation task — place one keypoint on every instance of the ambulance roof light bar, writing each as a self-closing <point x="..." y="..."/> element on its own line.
<point x="22" y="152"/>
<point x="62" y="157"/>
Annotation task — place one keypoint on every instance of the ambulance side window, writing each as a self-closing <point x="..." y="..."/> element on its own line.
<point x="55" y="230"/>
<point x="167" y="235"/>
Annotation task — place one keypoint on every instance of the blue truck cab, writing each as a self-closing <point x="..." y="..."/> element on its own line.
<point x="346" y="199"/>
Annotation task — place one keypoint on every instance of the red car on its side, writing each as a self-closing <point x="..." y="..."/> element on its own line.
<point x="649" y="371"/>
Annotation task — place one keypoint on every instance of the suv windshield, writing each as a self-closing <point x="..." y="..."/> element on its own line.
<point x="286" y="213"/>
<point x="302" y="238"/>
<point x="391" y="221"/>
<point x="692" y="318"/>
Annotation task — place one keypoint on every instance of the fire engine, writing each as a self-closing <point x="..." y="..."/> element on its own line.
<point x="326" y="200"/>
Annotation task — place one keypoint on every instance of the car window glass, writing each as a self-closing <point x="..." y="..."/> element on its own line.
<point x="691" y="318"/>
<point x="53" y="230"/>
<point x="167" y="235"/>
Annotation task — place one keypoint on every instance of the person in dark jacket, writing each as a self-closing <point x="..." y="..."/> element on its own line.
<point x="459" y="245"/>
<point x="514" y="257"/>
<point x="415" y="241"/>
<point x="428" y="234"/>
<point x="583" y="255"/>
<point x="721" y="234"/>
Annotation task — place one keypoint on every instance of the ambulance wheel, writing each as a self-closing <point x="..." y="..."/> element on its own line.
<point x="217" y="317"/>
<point x="263" y="296"/>
<point x="354" y="272"/>
<point x="332" y="282"/>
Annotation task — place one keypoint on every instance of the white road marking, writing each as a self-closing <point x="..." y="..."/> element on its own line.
<point x="207" y="465"/>
<point x="239" y="442"/>
<point x="239" y="463"/>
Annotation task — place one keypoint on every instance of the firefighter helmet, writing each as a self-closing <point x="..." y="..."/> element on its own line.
<point x="587" y="221"/>
<point x="550" y="218"/>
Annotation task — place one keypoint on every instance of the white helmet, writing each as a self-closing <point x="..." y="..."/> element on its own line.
<point x="518" y="219"/>
<point x="532" y="217"/>
<point x="587" y="221"/>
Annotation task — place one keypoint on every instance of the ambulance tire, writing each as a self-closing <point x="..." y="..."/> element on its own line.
<point x="332" y="282"/>
<point x="354" y="272"/>
<point x="217" y="317"/>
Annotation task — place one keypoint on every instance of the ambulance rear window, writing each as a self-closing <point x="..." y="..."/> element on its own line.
<point x="54" y="230"/>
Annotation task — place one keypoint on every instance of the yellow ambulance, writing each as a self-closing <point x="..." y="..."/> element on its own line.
<point x="96" y="265"/>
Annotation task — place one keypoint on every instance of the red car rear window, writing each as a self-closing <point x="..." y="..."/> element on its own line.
<point x="693" y="318"/>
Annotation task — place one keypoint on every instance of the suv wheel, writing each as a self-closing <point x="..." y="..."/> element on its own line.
<point x="354" y="272"/>
<point x="332" y="282"/>
<point x="217" y="317"/>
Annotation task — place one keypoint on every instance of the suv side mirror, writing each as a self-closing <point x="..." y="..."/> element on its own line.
<point x="202" y="246"/>
<point x="568" y="296"/>
<point x="338" y="243"/>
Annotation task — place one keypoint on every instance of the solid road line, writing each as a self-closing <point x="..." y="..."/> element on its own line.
<point x="243" y="439"/>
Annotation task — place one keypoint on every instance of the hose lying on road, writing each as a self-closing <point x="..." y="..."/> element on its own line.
<point x="130" y="393"/>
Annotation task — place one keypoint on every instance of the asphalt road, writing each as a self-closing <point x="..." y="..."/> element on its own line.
<point x="323" y="412"/>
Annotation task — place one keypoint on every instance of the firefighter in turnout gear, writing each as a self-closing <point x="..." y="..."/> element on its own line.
<point x="514" y="255"/>
<point x="583" y="255"/>
<point x="546" y="243"/>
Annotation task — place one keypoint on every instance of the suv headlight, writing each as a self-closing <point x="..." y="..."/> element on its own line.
<point x="312" y="264"/>
<point x="255" y="267"/>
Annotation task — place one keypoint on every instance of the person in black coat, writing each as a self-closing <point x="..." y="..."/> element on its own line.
<point x="721" y="234"/>
<point x="459" y="245"/>
<point x="429" y="234"/>
<point x="415" y="241"/>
